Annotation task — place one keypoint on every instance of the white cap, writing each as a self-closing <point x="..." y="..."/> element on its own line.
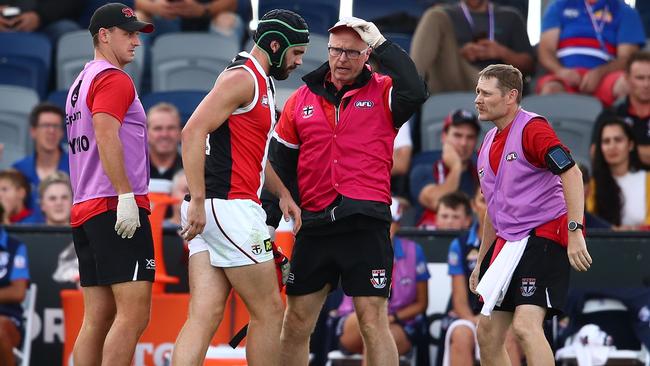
<point x="343" y="22"/>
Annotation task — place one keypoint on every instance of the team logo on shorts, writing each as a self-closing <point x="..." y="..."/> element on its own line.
<point x="268" y="246"/>
<point x="307" y="111"/>
<point x="528" y="287"/>
<point x="511" y="156"/>
<point x="378" y="278"/>
<point x="256" y="249"/>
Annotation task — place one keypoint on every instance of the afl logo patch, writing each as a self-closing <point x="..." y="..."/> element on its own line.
<point x="511" y="156"/>
<point x="307" y="111"/>
<point x="364" y="104"/>
<point x="265" y="100"/>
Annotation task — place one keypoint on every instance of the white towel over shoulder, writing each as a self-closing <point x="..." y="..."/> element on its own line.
<point x="495" y="281"/>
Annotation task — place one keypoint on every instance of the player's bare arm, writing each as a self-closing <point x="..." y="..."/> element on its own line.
<point x="232" y="89"/>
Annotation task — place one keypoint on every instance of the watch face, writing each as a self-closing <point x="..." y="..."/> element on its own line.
<point x="573" y="225"/>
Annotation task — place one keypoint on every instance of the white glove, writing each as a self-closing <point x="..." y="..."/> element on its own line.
<point x="368" y="31"/>
<point x="128" y="218"/>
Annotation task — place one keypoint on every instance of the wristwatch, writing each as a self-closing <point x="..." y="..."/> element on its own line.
<point x="573" y="226"/>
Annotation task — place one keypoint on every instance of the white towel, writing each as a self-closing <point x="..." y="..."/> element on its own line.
<point x="495" y="281"/>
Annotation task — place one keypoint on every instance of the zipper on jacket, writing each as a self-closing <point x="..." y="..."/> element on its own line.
<point x="336" y="115"/>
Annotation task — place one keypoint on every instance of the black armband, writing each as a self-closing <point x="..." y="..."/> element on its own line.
<point x="559" y="160"/>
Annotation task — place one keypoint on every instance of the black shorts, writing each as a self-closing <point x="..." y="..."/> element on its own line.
<point x="105" y="258"/>
<point x="541" y="278"/>
<point x="356" y="251"/>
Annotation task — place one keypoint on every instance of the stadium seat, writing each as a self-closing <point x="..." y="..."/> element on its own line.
<point x="372" y="10"/>
<point x="92" y="5"/>
<point x="319" y="14"/>
<point x="190" y="60"/>
<point x="434" y="111"/>
<point x="402" y="39"/>
<point x="29" y="304"/>
<point x="185" y="100"/>
<point x="75" y="49"/>
<point x="25" y="60"/>
<point x="57" y="98"/>
<point x="16" y="103"/>
<point x="572" y="117"/>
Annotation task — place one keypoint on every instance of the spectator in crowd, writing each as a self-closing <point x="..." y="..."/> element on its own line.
<point x="460" y="338"/>
<point x="584" y="46"/>
<point x="46" y="129"/>
<point x="217" y="16"/>
<point x="14" y="280"/>
<point x="164" y="137"/>
<point x="591" y="221"/>
<point x="635" y="109"/>
<point x="620" y="192"/>
<point x="454" y="211"/>
<point x="14" y="196"/>
<point x="52" y="17"/>
<point x="179" y="190"/>
<point x="455" y="169"/>
<point x="453" y="42"/>
<point x="408" y="301"/>
<point x="56" y="199"/>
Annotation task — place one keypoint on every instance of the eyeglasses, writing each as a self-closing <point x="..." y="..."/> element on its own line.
<point x="53" y="126"/>
<point x="351" y="54"/>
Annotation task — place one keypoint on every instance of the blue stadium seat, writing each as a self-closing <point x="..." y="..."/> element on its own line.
<point x="185" y="100"/>
<point x="57" y="97"/>
<point x="25" y="60"/>
<point x="92" y="5"/>
<point x="319" y="14"/>
<point x="372" y="10"/>
<point x="402" y="39"/>
<point x="16" y="102"/>
<point x="190" y="60"/>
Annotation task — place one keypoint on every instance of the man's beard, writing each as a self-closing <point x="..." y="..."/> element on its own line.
<point x="284" y="73"/>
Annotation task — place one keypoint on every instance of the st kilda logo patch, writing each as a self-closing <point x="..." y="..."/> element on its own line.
<point x="528" y="286"/>
<point x="378" y="278"/>
<point x="307" y="111"/>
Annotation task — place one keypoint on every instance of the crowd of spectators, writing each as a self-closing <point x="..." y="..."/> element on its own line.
<point x="591" y="47"/>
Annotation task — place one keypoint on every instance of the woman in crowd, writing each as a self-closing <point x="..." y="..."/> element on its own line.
<point x="620" y="190"/>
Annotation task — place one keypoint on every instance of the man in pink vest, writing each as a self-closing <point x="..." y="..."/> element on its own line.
<point x="533" y="225"/>
<point x="335" y="139"/>
<point x="109" y="172"/>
